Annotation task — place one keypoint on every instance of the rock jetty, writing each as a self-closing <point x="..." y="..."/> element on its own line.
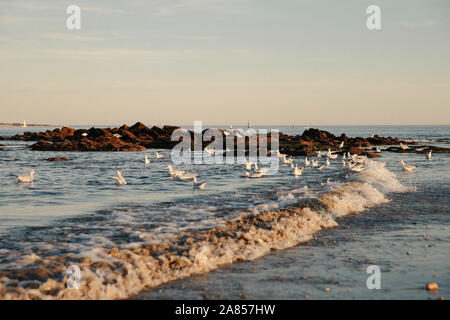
<point x="139" y="137"/>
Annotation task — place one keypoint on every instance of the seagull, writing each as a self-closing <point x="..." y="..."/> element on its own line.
<point x="406" y="167"/>
<point x="26" y="179"/>
<point x="158" y="155"/>
<point x="84" y="134"/>
<point x="147" y="161"/>
<point x="248" y="165"/>
<point x="357" y="168"/>
<point x="260" y="170"/>
<point x="321" y="167"/>
<point x="328" y="162"/>
<point x="372" y="135"/>
<point x="307" y="162"/>
<point x="429" y="155"/>
<point x="186" y="176"/>
<point x="298" y="171"/>
<point x="404" y="147"/>
<point x="341" y="145"/>
<point x="281" y="155"/>
<point x="378" y="149"/>
<point x="315" y="163"/>
<point x="120" y="179"/>
<point x="319" y="154"/>
<point x="118" y="136"/>
<point x="287" y="161"/>
<point x="344" y="156"/>
<point x="330" y="155"/>
<point x="199" y="185"/>
<point x="174" y="173"/>
<point x="333" y="156"/>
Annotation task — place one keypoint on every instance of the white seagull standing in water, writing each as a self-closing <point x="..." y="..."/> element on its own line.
<point x="404" y="147"/>
<point x="147" y="161"/>
<point x="186" y="176"/>
<point x="158" y="155"/>
<point x="429" y="155"/>
<point x="406" y="167"/>
<point x="26" y="179"/>
<point x="248" y="165"/>
<point x="298" y="171"/>
<point x="120" y="179"/>
<point x="307" y="162"/>
<point x="199" y="185"/>
<point x="174" y="173"/>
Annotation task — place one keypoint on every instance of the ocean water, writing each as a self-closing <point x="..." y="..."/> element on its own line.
<point x="74" y="213"/>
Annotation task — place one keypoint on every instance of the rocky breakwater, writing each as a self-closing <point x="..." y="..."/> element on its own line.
<point x="139" y="137"/>
<point x="135" y="138"/>
<point x="314" y="140"/>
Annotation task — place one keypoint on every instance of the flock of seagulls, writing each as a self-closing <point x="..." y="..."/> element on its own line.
<point x="350" y="162"/>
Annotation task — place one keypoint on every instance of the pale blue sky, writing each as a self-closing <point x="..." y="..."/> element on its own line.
<point x="225" y="61"/>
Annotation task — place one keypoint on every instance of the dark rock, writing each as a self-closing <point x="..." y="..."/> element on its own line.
<point x="67" y="132"/>
<point x="371" y="154"/>
<point x="355" y="150"/>
<point x="138" y="128"/>
<point x="58" y="159"/>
